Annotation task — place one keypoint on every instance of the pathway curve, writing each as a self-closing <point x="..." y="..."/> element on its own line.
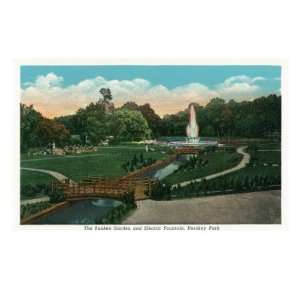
<point x="35" y="200"/>
<point x="58" y="176"/>
<point x="242" y="164"/>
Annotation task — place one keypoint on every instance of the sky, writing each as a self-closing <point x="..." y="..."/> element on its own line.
<point x="60" y="90"/>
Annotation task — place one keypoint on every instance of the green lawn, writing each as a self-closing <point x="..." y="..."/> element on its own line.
<point x="106" y="162"/>
<point x="31" y="177"/>
<point x="252" y="171"/>
<point x="26" y="156"/>
<point x="268" y="157"/>
<point x="34" y="178"/>
<point x="217" y="161"/>
<point x="267" y="146"/>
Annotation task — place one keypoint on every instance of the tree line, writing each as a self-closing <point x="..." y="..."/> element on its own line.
<point x="132" y="122"/>
<point x="258" y="118"/>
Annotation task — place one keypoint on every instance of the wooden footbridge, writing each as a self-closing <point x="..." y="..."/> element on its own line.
<point x="109" y="188"/>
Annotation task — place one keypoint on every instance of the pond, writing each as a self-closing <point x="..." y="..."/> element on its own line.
<point x="167" y="170"/>
<point x="172" y="167"/>
<point x="81" y="212"/>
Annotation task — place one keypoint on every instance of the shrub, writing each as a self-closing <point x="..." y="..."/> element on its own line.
<point x="30" y="209"/>
<point x="161" y="191"/>
<point x="29" y="190"/>
<point x="57" y="195"/>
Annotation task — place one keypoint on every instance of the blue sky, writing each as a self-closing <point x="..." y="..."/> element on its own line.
<point x="55" y="88"/>
<point x="170" y="76"/>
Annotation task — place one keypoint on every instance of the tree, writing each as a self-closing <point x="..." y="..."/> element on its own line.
<point x="208" y="131"/>
<point x="37" y="131"/>
<point x="214" y="111"/>
<point x="128" y="125"/>
<point x="134" y="160"/>
<point x="153" y="120"/>
<point x="130" y="105"/>
<point x="50" y="131"/>
<point x="258" y="118"/>
<point x="30" y="119"/>
<point x="106" y="94"/>
<point x="96" y="130"/>
<point x="142" y="160"/>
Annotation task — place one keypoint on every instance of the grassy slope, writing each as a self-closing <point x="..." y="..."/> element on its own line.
<point x="31" y="177"/>
<point x="269" y="157"/>
<point x="271" y="145"/>
<point x="105" y="162"/>
<point x="217" y="161"/>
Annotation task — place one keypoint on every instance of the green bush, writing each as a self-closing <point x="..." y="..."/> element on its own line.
<point x="28" y="210"/>
<point x="219" y="186"/>
<point x="57" y="195"/>
<point x="137" y="163"/>
<point x="161" y="191"/>
<point x="30" y="190"/>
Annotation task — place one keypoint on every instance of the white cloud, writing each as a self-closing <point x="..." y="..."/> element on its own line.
<point x="242" y="79"/>
<point x="240" y="87"/>
<point x="48" y="81"/>
<point x="50" y="97"/>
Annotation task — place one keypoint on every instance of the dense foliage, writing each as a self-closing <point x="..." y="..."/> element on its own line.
<point x="258" y="118"/>
<point x="137" y="162"/>
<point x="221" y="186"/>
<point x="37" y="131"/>
<point x="96" y="122"/>
<point x="31" y="190"/>
<point x="153" y="120"/>
<point x="128" y="125"/>
<point x="57" y="195"/>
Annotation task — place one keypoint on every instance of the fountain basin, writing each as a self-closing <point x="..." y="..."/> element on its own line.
<point x="193" y="144"/>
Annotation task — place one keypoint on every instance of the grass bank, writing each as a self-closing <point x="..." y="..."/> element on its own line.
<point x="106" y="162"/>
<point x="216" y="162"/>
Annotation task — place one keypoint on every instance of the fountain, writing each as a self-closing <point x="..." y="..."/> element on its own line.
<point x="192" y="129"/>
<point x="192" y="133"/>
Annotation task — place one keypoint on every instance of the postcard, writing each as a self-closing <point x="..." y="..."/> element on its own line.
<point x="150" y="144"/>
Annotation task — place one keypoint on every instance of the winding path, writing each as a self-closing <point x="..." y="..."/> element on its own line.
<point x="35" y="200"/>
<point x="242" y="164"/>
<point x="58" y="176"/>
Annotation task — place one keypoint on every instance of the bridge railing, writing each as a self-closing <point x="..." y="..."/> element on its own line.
<point x="99" y="186"/>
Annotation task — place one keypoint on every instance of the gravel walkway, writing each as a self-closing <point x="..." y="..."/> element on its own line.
<point x="35" y="200"/>
<point x="245" y="208"/>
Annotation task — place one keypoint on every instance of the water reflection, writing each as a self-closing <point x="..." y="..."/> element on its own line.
<point x="82" y="212"/>
<point x="172" y="167"/>
<point x="106" y="203"/>
<point x="166" y="171"/>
